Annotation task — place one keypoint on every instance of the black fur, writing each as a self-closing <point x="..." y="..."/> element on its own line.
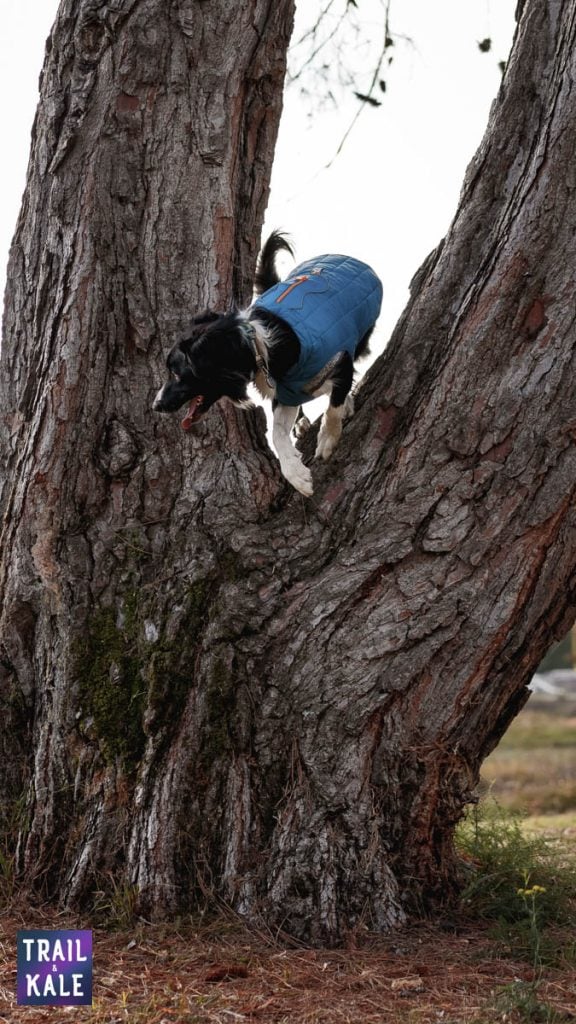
<point x="213" y="360"/>
<point x="217" y="359"/>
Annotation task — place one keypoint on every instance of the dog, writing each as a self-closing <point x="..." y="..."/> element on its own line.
<point x="299" y="339"/>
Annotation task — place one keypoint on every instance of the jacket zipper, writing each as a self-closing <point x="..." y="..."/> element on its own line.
<point x="295" y="283"/>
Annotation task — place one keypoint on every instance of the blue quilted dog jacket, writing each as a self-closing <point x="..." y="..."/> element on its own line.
<point x="330" y="303"/>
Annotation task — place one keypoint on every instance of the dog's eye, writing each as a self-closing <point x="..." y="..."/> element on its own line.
<point x="175" y="376"/>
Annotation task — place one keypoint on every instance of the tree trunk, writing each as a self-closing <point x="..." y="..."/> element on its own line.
<point x="211" y="685"/>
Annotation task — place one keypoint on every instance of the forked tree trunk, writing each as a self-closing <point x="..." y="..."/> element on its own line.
<point x="210" y="684"/>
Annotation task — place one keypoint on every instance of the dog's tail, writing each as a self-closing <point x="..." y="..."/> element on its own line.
<point x="266" y="274"/>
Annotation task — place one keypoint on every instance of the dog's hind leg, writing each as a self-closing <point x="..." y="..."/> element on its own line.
<point x="302" y="425"/>
<point x="349" y="406"/>
<point x="340" y="408"/>
<point x="330" y="431"/>
<point x="291" y="463"/>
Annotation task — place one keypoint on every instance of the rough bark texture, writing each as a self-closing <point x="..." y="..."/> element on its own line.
<point x="212" y="685"/>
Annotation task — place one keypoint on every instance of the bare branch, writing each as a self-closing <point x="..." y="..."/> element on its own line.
<point x="367" y="98"/>
<point x="347" y="41"/>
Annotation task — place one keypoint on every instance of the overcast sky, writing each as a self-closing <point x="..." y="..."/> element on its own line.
<point x="390" y="195"/>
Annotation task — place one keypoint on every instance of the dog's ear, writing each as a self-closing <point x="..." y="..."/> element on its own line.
<point x="202" y="320"/>
<point x="199" y="323"/>
<point x="194" y="333"/>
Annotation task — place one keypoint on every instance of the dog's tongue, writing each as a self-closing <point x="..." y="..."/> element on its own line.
<point x="193" y="411"/>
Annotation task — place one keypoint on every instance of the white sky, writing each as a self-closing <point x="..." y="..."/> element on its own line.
<point x="390" y="195"/>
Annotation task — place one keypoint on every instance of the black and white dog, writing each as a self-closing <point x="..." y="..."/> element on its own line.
<point x="297" y="340"/>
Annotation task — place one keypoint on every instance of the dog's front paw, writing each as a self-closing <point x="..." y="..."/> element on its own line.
<point x="299" y="476"/>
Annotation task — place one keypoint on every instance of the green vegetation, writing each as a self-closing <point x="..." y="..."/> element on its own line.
<point x="520" y="872"/>
<point x="521" y="1001"/>
<point x="111" y="683"/>
<point x="114" y="906"/>
<point x="130" y="685"/>
<point x="502" y="862"/>
<point x="525" y="885"/>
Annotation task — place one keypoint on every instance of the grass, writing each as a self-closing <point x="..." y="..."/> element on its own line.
<point x="533" y="770"/>
<point x="538" y="727"/>
<point x="521" y="871"/>
<point x="524" y="884"/>
<point x="522" y="879"/>
<point x="503" y="860"/>
<point x="560" y="825"/>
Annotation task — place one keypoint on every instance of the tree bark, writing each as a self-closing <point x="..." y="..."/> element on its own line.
<point x="213" y="686"/>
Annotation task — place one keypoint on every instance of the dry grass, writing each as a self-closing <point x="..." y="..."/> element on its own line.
<point x="533" y="770"/>
<point x="222" y="974"/>
<point x="560" y="826"/>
